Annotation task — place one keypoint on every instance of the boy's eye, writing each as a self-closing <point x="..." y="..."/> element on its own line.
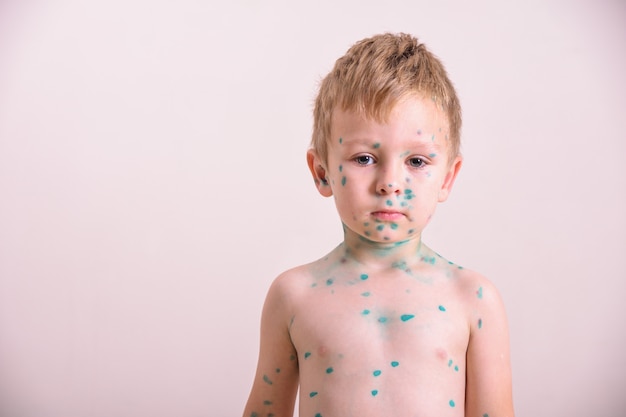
<point x="416" y="162"/>
<point x="364" y="160"/>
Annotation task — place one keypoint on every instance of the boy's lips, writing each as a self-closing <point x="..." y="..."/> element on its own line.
<point x="388" y="215"/>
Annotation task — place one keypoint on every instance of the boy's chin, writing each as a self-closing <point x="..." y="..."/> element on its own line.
<point x="385" y="241"/>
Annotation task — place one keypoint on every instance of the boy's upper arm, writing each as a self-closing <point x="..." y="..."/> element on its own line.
<point x="276" y="380"/>
<point x="488" y="385"/>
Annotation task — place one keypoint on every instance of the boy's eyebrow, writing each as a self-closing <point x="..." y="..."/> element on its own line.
<point x="423" y="143"/>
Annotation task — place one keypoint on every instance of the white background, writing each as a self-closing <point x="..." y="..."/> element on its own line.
<point x="153" y="183"/>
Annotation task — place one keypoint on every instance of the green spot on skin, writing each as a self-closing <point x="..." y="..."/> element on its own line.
<point x="365" y="312"/>
<point x="377" y="372"/>
<point x="411" y="231"/>
<point x="429" y="259"/>
<point x="479" y="293"/>
<point x="485" y="415"/>
<point x="340" y="168"/>
<point x="450" y="363"/>
<point x="432" y="155"/>
<point x="376" y="145"/>
<point x="394" y="226"/>
<point x="456" y="368"/>
<point x="395" y="363"/>
<point x="330" y="281"/>
<point x="442" y="308"/>
<point x="452" y="404"/>
<point x="267" y="402"/>
<point x="307" y="354"/>
<point x="313" y="394"/>
<point x="366" y="294"/>
<point x="364" y="277"/>
<point x="389" y="203"/>
<point x="433" y="138"/>
<point x="380" y="227"/>
<point x="254" y="414"/>
<point x="480" y="323"/>
<point x="318" y="415"/>
<point x="340" y="141"/>
<point x="406" y="317"/>
<point x="343" y="180"/>
<point x="374" y="392"/>
<point x="267" y="380"/>
<point x="277" y="370"/>
<point x="382" y="319"/>
<point x="329" y="370"/>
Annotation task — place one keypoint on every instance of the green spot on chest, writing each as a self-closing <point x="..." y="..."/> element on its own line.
<point x="406" y="317"/>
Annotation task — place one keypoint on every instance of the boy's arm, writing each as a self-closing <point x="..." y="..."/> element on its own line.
<point x="276" y="381"/>
<point x="488" y="386"/>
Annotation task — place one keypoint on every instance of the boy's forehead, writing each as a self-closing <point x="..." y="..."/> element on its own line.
<point x="418" y="117"/>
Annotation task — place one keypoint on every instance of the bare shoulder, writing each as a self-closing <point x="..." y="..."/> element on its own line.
<point x="475" y="289"/>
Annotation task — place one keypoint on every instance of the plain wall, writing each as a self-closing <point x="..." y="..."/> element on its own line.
<point x="153" y="183"/>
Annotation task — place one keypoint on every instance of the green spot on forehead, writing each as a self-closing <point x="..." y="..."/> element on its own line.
<point x="382" y="320"/>
<point x="376" y="145"/>
<point x="329" y="370"/>
<point x="402" y="155"/>
<point x="406" y="317"/>
<point x="432" y="155"/>
<point x="377" y="372"/>
<point x="364" y="277"/>
<point x="442" y="308"/>
<point x="374" y="392"/>
<point x="365" y="312"/>
<point x="395" y="363"/>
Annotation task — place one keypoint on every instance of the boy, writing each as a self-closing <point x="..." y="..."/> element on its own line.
<point x="383" y="326"/>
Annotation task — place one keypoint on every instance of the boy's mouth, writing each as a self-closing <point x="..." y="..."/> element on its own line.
<point x="387" y="215"/>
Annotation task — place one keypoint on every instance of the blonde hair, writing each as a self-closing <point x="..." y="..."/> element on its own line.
<point x="373" y="75"/>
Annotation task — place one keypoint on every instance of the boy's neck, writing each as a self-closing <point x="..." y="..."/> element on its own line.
<point x="382" y="255"/>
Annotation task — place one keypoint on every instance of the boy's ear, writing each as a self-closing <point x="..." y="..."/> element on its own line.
<point x="448" y="181"/>
<point x="319" y="173"/>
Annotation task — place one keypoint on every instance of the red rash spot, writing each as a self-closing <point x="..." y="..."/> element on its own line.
<point x="441" y="354"/>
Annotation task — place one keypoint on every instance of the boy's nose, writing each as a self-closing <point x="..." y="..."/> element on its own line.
<point x="387" y="188"/>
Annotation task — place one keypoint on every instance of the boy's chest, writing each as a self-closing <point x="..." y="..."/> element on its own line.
<point x="360" y="323"/>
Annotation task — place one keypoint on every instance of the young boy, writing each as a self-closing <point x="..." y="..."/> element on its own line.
<point x="383" y="326"/>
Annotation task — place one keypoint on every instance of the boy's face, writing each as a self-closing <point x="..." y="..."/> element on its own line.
<point x="387" y="178"/>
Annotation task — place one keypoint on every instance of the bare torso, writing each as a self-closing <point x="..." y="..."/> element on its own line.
<point x="391" y="342"/>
